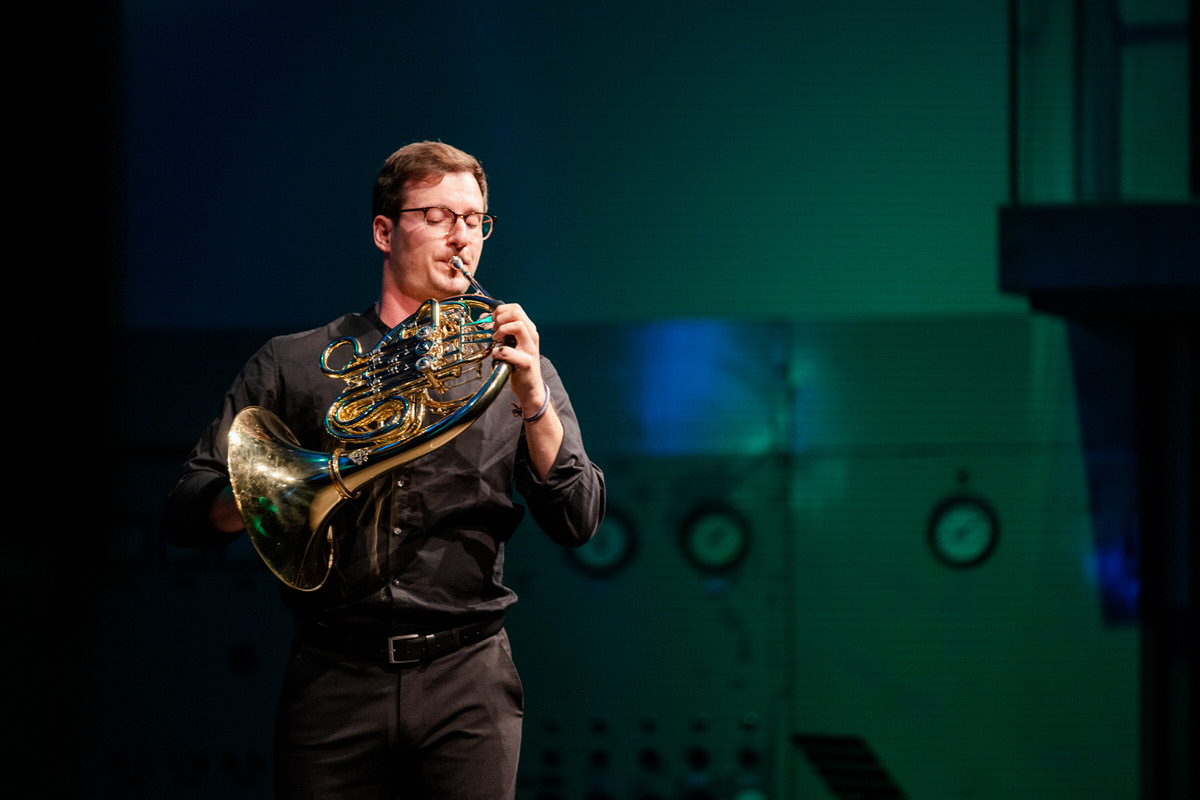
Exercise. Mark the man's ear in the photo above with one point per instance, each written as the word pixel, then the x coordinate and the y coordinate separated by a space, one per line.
pixel 383 233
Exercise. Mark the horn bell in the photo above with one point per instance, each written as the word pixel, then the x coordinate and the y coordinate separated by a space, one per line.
pixel 276 483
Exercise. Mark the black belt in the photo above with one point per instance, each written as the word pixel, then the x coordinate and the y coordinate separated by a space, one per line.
pixel 411 648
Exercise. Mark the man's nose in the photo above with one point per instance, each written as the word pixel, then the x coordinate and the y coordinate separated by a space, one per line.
pixel 459 233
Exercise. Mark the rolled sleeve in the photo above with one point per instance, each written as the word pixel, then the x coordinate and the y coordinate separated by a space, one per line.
pixel 569 504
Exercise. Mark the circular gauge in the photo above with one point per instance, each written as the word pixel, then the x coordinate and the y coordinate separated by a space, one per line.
pixel 610 548
pixel 715 538
pixel 963 530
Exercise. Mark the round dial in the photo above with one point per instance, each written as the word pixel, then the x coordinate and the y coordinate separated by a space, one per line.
pixel 963 530
pixel 610 548
pixel 715 539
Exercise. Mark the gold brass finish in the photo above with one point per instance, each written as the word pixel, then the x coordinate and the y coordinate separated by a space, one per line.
pixel 400 404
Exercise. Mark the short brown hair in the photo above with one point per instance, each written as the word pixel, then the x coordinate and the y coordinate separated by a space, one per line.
pixel 420 161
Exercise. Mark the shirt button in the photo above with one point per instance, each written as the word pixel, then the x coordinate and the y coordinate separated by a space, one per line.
pixel 395 531
pixel 395 581
pixel 400 483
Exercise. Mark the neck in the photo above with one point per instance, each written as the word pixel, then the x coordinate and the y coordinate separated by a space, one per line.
pixel 394 309
pixel 394 305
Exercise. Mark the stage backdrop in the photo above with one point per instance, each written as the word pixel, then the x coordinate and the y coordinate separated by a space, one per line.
pixel 647 160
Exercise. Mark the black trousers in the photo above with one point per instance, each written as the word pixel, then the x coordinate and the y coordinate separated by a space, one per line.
pixel 446 730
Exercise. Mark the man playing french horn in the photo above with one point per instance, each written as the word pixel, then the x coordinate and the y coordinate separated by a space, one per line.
pixel 372 464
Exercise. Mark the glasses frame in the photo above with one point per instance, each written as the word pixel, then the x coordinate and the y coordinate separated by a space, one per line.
pixel 489 220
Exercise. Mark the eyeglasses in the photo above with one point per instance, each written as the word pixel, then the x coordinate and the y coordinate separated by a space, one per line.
pixel 443 220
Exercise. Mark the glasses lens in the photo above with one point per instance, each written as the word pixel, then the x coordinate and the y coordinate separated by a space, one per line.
pixel 443 219
pixel 439 218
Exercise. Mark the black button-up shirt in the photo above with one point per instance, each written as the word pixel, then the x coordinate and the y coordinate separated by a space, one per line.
pixel 422 547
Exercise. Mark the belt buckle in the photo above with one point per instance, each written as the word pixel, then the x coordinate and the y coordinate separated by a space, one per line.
pixel 391 649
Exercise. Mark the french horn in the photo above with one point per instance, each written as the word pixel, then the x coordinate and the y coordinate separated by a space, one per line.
pixel 387 416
